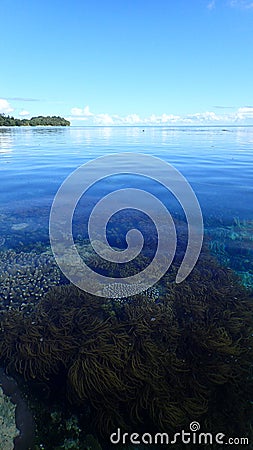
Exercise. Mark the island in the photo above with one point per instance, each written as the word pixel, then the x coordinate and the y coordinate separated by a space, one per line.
pixel 54 121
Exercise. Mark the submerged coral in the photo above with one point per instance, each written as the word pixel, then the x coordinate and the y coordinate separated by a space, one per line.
pixel 123 292
pixel 232 244
pixel 25 277
pixel 144 364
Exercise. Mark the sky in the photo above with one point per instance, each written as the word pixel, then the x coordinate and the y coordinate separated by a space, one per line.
pixel 131 62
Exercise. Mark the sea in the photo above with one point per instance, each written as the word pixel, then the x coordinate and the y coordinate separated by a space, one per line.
pixel 215 161
pixel 185 170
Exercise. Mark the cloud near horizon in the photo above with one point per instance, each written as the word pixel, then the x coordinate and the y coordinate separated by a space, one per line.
pixel 24 113
pixel 5 107
pixel 243 115
pixel 79 112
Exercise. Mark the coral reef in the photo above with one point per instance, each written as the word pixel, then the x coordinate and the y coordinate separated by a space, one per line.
pixel 25 277
pixel 145 364
pixel 62 430
pixel 122 292
pixel 232 244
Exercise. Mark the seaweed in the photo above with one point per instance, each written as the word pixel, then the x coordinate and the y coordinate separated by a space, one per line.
pixel 145 364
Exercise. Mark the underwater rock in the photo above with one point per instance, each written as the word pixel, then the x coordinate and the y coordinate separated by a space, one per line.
pixel 8 429
pixel 17 425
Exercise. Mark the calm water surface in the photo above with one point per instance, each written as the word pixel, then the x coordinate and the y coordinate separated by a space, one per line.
pixel 217 162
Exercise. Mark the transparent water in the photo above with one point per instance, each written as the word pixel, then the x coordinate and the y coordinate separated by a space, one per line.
pixel 35 161
pixel 217 162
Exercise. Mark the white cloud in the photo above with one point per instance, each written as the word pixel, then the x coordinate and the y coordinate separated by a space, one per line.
pixel 5 107
pixel 207 116
pixel 163 119
pixel 132 119
pixel 243 115
pixel 85 112
pixel 24 113
pixel 103 119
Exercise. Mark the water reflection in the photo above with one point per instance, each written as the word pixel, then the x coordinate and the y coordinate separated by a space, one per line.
pixel 42 130
pixel 5 140
pixel 80 135
pixel 244 136
pixel 86 135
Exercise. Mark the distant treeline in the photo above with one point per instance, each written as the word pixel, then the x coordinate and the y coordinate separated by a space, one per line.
pixel 54 121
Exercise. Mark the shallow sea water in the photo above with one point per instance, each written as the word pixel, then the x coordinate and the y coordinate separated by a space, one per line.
pixel 216 161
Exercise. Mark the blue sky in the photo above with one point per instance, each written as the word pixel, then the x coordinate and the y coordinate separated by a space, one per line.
pixel 131 62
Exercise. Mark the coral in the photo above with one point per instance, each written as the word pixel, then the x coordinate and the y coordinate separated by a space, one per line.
pixel 232 244
pixel 25 277
pixel 144 364
pixel 57 428
pixel 123 292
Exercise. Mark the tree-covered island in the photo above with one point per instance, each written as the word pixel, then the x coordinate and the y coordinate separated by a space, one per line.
pixel 54 121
